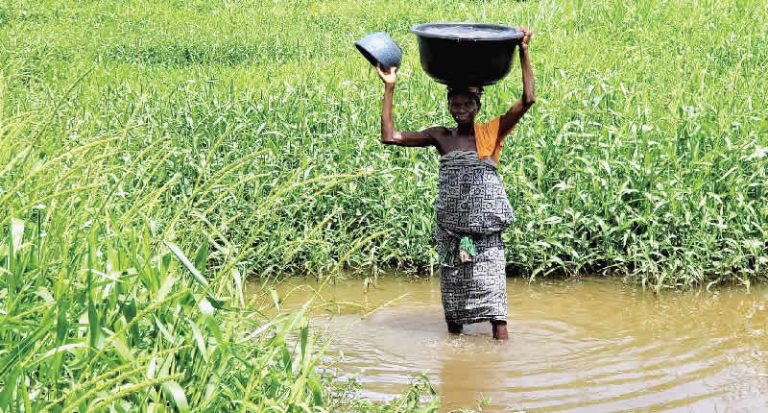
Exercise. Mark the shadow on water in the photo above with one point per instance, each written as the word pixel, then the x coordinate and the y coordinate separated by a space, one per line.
pixel 580 346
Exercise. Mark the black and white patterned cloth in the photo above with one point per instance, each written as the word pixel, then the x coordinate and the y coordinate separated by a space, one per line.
pixel 471 202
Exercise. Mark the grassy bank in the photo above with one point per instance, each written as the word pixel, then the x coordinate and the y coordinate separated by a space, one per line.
pixel 153 156
pixel 644 156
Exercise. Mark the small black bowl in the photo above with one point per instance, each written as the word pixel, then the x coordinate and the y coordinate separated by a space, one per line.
pixel 380 48
pixel 470 54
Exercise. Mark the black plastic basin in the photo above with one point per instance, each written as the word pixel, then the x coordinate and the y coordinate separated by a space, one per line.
pixel 379 48
pixel 470 54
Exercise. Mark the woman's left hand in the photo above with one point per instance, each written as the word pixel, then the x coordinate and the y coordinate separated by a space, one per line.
pixel 527 34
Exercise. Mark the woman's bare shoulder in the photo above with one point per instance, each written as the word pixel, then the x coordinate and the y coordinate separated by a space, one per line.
pixel 437 131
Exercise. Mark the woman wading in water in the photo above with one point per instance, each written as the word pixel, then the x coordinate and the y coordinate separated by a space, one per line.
pixel 472 207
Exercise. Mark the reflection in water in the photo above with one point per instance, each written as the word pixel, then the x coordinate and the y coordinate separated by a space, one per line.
pixel 582 346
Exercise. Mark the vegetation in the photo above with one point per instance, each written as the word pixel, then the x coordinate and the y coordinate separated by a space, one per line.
pixel 645 156
pixel 102 310
pixel 153 157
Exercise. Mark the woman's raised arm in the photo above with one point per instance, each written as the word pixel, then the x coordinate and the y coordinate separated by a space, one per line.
pixel 389 136
pixel 518 109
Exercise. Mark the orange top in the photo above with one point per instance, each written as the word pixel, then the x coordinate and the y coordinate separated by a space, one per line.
pixel 487 139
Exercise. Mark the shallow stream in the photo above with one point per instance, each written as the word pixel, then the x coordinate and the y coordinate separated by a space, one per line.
pixel 591 345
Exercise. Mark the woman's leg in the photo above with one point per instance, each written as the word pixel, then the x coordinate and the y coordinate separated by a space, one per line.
pixel 454 328
pixel 500 330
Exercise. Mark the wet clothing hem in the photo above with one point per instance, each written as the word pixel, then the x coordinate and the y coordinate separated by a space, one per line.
pixel 475 320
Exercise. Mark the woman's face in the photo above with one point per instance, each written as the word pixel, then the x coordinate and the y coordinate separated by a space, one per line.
pixel 463 108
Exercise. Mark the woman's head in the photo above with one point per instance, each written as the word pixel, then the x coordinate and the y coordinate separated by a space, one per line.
pixel 464 103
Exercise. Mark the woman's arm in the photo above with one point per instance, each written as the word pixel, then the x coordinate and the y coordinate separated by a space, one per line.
pixel 518 109
pixel 389 136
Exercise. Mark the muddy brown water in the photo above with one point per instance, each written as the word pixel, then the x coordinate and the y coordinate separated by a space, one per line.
pixel 591 345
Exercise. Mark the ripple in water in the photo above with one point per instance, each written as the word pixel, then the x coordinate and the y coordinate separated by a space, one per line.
pixel 575 346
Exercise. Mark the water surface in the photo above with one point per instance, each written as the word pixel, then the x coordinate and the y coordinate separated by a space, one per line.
pixel 467 32
pixel 579 346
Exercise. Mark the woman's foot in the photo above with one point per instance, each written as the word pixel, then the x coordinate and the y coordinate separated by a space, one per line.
pixel 500 330
pixel 454 328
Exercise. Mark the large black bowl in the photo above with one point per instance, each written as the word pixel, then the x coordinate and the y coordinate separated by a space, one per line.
pixel 471 54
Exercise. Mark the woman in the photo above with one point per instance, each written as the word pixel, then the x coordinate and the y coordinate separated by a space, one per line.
pixel 472 206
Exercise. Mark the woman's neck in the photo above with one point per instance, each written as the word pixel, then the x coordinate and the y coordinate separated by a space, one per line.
pixel 465 129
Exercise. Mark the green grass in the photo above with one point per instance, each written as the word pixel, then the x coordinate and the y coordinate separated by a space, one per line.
pixel 102 310
pixel 644 156
pixel 246 134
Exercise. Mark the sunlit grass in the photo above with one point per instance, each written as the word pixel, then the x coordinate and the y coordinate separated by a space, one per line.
pixel 117 293
pixel 243 136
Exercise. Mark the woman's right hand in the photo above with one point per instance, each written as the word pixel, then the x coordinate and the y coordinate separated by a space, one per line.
pixel 387 76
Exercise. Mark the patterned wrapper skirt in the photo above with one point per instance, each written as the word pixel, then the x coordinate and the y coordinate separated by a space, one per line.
pixel 471 203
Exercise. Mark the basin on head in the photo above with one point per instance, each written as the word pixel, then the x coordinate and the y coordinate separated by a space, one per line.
pixel 476 54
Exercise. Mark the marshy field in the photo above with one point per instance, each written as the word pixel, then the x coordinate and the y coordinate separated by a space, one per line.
pixel 168 171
